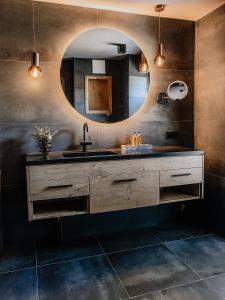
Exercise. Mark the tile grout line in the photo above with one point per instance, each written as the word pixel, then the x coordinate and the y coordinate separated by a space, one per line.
pixel 213 276
pixel 165 289
pixel 181 260
pixel 113 269
pixel 17 270
pixel 36 270
pixel 69 260
pixel 130 249
pixel 184 239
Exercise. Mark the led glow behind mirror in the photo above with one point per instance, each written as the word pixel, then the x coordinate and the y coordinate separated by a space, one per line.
pixel 177 90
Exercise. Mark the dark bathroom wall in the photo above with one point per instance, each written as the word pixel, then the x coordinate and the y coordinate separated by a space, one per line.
pixel 26 103
pixel 210 109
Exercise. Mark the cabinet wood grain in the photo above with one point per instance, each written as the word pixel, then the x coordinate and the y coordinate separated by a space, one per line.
pixel 123 191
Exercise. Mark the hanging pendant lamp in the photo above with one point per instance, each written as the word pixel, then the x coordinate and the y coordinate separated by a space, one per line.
pixel 159 58
pixel 143 67
pixel 35 69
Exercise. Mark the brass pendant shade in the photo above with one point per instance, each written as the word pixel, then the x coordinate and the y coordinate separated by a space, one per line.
pixel 143 67
pixel 35 69
pixel 159 58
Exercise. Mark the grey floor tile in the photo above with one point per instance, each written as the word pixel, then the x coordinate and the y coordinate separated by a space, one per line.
pixel 178 231
pixel 19 285
pixel 128 240
pixel 218 283
pixel 16 258
pixel 56 252
pixel 195 291
pixel 150 269
pixel 206 255
pixel 84 279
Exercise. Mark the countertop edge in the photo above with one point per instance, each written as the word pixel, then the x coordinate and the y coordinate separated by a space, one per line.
pixel 127 156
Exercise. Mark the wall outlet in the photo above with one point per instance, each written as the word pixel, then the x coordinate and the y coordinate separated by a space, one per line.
pixel 171 134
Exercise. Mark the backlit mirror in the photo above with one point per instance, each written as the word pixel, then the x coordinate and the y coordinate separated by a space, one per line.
pixel 101 75
pixel 177 90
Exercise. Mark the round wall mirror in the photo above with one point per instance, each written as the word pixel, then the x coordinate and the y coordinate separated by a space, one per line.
pixel 101 75
pixel 177 90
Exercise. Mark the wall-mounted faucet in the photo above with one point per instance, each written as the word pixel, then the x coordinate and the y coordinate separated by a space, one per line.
pixel 85 143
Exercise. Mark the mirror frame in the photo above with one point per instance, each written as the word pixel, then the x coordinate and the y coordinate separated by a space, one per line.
pixel 177 81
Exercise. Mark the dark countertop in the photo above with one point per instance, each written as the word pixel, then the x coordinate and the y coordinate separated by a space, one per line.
pixel 164 151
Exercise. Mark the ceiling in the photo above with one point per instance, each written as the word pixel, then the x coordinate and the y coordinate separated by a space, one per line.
pixel 98 44
pixel 178 9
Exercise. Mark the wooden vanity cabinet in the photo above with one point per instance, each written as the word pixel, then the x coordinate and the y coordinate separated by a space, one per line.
pixel 64 189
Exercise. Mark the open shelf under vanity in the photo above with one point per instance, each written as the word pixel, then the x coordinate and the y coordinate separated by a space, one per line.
pixel 180 193
pixel 53 208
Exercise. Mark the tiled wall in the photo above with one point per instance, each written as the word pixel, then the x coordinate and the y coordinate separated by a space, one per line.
pixel 25 103
pixel 210 108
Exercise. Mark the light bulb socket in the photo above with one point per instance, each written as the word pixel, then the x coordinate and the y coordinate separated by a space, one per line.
pixel 35 59
pixel 159 8
pixel 160 48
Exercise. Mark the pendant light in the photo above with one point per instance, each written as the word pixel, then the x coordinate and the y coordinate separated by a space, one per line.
pixel 35 69
pixel 143 67
pixel 159 58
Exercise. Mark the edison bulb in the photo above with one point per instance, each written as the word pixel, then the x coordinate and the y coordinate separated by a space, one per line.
pixel 35 71
pixel 159 59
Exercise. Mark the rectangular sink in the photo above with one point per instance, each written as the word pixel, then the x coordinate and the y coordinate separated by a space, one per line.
pixel 89 154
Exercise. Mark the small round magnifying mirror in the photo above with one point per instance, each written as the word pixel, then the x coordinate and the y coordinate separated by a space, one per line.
pixel 177 90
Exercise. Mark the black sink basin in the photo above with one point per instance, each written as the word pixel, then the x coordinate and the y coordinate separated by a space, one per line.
pixel 89 154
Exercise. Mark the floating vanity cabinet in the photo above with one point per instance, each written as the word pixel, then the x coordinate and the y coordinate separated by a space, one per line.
pixel 67 187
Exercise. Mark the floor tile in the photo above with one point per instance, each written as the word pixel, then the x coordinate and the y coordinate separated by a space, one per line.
pixel 178 231
pixel 149 269
pixel 19 285
pixel 128 240
pixel 206 255
pixel 84 279
pixel 56 252
pixel 16 258
pixel 218 283
pixel 196 291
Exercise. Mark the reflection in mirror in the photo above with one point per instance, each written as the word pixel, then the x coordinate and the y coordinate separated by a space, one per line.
pixel 101 78
pixel 177 90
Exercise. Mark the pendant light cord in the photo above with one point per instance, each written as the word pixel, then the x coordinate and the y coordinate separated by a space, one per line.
pixel 97 17
pixel 159 29
pixel 34 37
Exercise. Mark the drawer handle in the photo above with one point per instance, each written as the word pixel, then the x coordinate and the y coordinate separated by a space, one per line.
pixel 59 186
pixel 125 180
pixel 178 175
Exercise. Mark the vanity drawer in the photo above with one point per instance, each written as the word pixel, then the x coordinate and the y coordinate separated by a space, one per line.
pixel 123 191
pixel 180 177
pixel 55 189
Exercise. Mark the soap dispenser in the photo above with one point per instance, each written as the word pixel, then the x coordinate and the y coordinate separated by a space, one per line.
pixel 138 138
pixel 134 139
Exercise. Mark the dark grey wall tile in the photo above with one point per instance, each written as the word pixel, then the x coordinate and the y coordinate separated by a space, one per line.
pixel 16 29
pixel 210 39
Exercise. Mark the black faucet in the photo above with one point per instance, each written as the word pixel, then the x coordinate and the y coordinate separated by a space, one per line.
pixel 85 143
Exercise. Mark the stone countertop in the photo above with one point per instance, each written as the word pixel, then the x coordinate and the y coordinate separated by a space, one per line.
pixel 163 151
